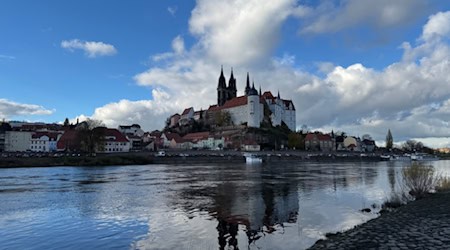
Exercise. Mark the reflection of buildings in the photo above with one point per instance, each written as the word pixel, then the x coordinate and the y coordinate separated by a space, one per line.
pixel 259 203
pixel 260 208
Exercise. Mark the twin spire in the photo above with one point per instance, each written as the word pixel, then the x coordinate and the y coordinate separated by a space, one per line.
pixel 225 93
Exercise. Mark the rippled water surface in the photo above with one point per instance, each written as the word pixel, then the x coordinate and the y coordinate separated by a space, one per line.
pixel 276 206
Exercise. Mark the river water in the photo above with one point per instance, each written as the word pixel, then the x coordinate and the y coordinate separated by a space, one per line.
pixel 276 206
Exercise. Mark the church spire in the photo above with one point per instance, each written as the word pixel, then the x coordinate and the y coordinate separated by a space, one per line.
pixel 278 96
pixel 222 81
pixel 247 87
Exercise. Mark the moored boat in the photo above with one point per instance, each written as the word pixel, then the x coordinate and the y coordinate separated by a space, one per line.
pixel 252 158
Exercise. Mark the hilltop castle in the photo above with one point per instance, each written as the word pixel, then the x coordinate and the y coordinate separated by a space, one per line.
pixel 247 109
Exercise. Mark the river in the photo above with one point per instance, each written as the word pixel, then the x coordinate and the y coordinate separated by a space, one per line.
pixel 213 206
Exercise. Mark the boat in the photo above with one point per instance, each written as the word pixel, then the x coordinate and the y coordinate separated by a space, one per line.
pixel 423 157
pixel 405 157
pixel 385 157
pixel 252 158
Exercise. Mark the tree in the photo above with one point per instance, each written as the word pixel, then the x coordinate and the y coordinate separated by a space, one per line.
pixel 91 135
pixel 389 140
pixel 295 140
pixel 223 118
pixel 412 145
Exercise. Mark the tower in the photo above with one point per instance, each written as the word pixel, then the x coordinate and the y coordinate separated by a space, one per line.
pixel 221 89
pixel 232 90
pixel 254 114
pixel 247 87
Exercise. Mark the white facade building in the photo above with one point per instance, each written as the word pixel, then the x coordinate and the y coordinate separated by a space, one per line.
pixel 17 141
pixel 282 110
pixel 134 129
pixel 44 141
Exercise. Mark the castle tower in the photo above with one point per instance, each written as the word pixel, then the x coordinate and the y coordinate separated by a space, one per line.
pixel 247 87
pixel 232 90
pixel 254 108
pixel 221 89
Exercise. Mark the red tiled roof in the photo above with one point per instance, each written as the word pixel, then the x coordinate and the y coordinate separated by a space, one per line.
pixel 112 132
pixel 186 111
pixel 196 136
pixel 50 135
pixel 268 95
pixel 235 102
pixel 69 138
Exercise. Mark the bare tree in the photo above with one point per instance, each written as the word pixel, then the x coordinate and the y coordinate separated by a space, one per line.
pixel 91 135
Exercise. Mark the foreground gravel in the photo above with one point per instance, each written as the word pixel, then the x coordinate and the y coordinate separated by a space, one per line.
pixel 422 224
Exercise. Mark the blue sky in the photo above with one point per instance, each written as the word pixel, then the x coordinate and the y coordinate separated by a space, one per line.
pixel 358 66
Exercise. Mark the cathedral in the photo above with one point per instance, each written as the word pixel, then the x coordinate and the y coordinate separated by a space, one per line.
pixel 247 109
pixel 250 107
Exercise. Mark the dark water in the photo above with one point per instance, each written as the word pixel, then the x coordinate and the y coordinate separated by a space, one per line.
pixel 278 206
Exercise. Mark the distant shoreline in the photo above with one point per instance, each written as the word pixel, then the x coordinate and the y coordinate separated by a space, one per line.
pixel 179 157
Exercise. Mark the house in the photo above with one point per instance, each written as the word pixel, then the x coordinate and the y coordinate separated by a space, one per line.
pixel 17 141
pixel 4 126
pixel 319 142
pixel 205 140
pixel 174 119
pixel 44 141
pixel 134 130
pixel 168 140
pixel 352 144
pixel 113 141
pixel 250 145
pixel 368 145
pixel 186 116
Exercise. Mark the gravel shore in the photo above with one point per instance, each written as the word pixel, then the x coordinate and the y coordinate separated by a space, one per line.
pixel 422 224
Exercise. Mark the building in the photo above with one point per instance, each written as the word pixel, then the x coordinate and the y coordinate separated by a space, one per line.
pixel 283 111
pixel 134 134
pixel 186 116
pixel 319 142
pixel 174 119
pixel 113 141
pixel 44 141
pixel 17 141
pixel 134 129
pixel 4 126
pixel 243 110
pixel 205 140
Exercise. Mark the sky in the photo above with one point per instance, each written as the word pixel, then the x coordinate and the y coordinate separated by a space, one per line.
pixel 358 66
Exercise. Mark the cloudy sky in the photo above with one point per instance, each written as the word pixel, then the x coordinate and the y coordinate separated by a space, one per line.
pixel 359 66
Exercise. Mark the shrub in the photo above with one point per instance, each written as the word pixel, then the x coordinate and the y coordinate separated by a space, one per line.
pixel 444 184
pixel 420 179
pixel 396 200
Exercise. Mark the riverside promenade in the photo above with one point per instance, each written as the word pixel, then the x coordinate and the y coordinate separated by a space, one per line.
pixel 422 224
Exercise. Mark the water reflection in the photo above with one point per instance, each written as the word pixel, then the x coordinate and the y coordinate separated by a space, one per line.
pixel 285 205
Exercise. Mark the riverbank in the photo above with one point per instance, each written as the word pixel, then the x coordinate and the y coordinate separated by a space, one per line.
pixel 177 157
pixel 422 224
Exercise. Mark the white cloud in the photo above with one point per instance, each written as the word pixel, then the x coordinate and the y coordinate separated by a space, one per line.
pixel 10 109
pixel 238 32
pixel 7 57
pixel 172 10
pixel 178 45
pixel 332 16
pixel 411 96
pixel 437 26
pixel 92 49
